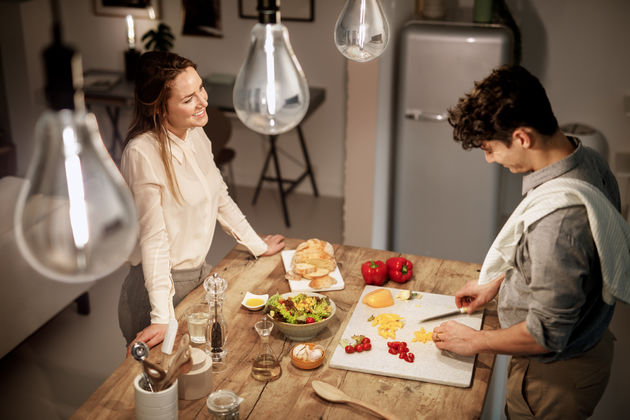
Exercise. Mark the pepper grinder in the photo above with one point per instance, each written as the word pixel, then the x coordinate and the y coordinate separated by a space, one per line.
pixel 215 287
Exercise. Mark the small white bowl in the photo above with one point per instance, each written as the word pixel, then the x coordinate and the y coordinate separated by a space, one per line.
pixel 249 295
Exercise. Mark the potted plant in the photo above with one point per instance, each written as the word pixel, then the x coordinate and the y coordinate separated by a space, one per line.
pixel 159 39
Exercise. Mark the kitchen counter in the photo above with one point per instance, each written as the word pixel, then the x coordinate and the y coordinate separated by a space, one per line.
pixel 292 395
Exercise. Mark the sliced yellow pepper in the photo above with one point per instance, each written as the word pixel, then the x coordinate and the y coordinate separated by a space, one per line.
pixel 422 336
pixel 388 324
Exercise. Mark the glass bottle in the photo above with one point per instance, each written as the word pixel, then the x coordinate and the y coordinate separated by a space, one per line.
pixel 215 287
pixel 266 366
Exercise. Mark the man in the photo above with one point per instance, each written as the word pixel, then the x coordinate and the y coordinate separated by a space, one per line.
pixel 553 303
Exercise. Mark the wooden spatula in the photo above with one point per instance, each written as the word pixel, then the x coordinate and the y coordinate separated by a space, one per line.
pixel 176 365
pixel 333 394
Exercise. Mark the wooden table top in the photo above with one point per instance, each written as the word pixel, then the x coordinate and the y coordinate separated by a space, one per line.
pixel 292 395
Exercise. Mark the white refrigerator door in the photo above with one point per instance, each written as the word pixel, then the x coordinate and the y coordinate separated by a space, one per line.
pixel 446 200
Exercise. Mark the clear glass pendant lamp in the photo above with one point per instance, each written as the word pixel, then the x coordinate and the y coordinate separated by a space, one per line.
pixel 270 94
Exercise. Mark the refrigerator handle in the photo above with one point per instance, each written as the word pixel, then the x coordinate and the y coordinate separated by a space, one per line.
pixel 420 115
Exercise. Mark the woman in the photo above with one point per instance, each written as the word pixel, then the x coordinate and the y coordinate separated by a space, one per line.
pixel 179 195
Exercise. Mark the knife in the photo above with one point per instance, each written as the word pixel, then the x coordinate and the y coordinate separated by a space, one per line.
pixel 461 310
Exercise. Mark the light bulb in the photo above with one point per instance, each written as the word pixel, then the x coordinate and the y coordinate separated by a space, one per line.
pixel 270 93
pixel 362 31
pixel 75 218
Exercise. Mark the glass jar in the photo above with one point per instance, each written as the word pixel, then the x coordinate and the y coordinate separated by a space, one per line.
pixel 224 405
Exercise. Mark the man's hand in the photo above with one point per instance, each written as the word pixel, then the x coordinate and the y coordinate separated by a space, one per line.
pixel 461 339
pixel 474 296
pixel 151 336
pixel 275 244
pixel 457 338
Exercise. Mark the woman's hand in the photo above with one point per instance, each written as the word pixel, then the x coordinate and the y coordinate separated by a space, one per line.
pixel 151 336
pixel 474 296
pixel 275 244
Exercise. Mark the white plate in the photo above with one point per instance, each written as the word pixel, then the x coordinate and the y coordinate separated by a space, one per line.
pixel 302 285
pixel 249 295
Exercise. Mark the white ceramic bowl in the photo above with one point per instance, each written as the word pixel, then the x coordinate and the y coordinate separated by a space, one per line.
pixel 249 295
pixel 303 332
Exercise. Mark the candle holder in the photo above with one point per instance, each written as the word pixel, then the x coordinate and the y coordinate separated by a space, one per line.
pixel 132 58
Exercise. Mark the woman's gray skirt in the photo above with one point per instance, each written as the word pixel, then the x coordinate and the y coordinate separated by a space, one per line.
pixel 134 307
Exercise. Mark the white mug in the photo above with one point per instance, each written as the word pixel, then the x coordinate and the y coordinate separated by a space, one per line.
pixel 160 405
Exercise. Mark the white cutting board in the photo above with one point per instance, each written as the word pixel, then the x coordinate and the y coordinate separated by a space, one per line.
pixel 430 364
pixel 302 285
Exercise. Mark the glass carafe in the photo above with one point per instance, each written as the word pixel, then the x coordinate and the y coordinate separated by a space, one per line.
pixel 266 366
pixel 217 327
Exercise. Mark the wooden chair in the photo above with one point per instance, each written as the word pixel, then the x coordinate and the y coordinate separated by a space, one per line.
pixel 219 130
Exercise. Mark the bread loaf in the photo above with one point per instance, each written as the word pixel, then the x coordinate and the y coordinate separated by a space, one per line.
pixel 321 282
pixel 313 260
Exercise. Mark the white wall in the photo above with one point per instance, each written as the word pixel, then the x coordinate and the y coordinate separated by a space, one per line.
pixel 368 154
pixel 102 41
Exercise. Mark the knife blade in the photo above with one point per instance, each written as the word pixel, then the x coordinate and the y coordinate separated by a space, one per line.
pixel 461 310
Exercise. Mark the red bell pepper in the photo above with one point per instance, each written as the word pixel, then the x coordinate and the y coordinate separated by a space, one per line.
pixel 374 272
pixel 399 269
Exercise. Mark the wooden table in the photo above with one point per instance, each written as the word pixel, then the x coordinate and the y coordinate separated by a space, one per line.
pixel 291 396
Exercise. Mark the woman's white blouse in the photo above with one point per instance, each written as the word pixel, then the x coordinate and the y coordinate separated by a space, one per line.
pixel 173 235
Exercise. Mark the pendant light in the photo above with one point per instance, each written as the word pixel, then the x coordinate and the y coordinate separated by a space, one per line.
pixel 75 220
pixel 270 92
pixel 362 31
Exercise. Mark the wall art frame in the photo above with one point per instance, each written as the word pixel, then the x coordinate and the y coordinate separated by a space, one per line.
pixel 139 9
pixel 295 10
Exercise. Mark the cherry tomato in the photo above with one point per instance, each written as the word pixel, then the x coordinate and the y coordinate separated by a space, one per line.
pixel 359 348
pixel 365 340
pixel 367 346
pixel 310 320
pixel 349 349
pixel 410 357
pixel 402 355
pixel 392 350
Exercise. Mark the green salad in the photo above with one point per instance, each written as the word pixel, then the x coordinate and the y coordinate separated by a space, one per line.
pixel 299 309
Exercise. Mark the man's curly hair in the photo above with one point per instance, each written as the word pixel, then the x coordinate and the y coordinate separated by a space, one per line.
pixel 509 98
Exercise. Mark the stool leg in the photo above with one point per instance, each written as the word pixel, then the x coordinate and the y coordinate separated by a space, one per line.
pixel 262 177
pixel 117 140
pixel 309 169
pixel 279 179
pixel 83 304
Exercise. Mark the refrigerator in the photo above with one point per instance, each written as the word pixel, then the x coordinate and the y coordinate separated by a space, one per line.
pixel 447 202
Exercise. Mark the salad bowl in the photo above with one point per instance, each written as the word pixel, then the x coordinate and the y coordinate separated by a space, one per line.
pixel 301 332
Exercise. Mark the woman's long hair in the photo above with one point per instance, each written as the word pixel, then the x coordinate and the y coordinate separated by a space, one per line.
pixel 154 77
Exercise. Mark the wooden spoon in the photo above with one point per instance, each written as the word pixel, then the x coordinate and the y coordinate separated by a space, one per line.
pixel 175 371
pixel 153 373
pixel 333 394
pixel 182 355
